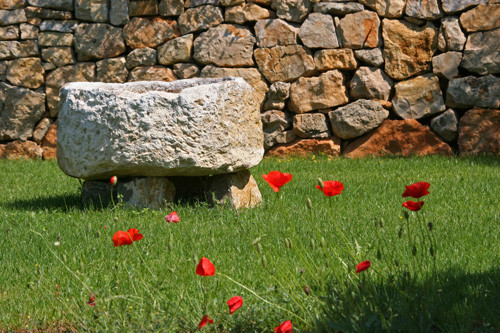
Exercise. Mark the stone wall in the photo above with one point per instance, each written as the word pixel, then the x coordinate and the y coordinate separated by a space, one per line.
pixel 353 77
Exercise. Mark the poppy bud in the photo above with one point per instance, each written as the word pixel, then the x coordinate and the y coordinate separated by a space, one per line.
pixel 430 226
pixel 307 290
pixel 256 241
pixel 313 244
pixel 212 240
pixel 379 254
pixel 406 215
pixel 195 258
pixel 323 242
pixel 414 250
pixel 381 222
pixel 259 248
pixel 113 180
pixel 263 261
pixel 431 251
pixel 400 232
pixel 288 243
pixel 309 204
pixel 320 183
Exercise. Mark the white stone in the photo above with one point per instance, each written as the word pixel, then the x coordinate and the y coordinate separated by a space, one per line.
pixel 189 127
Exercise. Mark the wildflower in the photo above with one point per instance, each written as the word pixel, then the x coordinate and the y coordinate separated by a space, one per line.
pixel 206 319
pixel 113 180
pixel 331 187
pixel 126 238
pixel 284 327
pixel 412 205
pixel 91 301
pixel 172 217
pixel 205 267
pixel 234 303
pixel 363 266
pixel 276 179
pixel 416 190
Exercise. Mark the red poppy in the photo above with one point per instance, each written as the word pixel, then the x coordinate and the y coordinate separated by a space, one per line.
pixel 126 238
pixel 172 217
pixel 412 205
pixel 134 233
pixel 206 319
pixel 331 187
pixel 91 301
pixel 234 303
pixel 113 180
pixel 285 327
pixel 416 190
pixel 276 179
pixel 363 266
pixel 205 267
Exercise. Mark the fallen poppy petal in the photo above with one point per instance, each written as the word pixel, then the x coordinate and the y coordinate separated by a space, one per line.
pixel 363 266
pixel 412 205
pixel 91 301
pixel 276 179
pixel 285 327
pixel 234 303
pixel 172 217
pixel 205 267
pixel 206 319
pixel 122 238
pixel 416 190
pixel 331 187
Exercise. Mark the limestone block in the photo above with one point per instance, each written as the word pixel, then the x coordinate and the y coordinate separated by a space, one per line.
pixel 118 12
pixel 386 8
pixel 446 64
pixel 482 52
pixel 314 93
pixel 248 12
pixel 10 32
pixel 191 127
pixel 149 32
pixel 58 25
pixel 41 129
pixel 59 56
pixel 479 132
pixel 20 111
pixel 454 38
pixel 197 3
pixel 453 6
pixel 357 118
pixel 145 56
pixel 418 97
pixel 176 50
pixel 29 31
pixel 91 10
pixel 360 30
pixel 151 73
pixel 98 41
pixel 292 10
pixel 318 31
pixel 11 49
pixel 306 147
pixel 54 4
pixel 482 17
pixel 12 4
pixel 15 16
pixel 200 18
pixel 48 39
pixel 225 45
pixel 371 57
pixel 276 96
pixel 186 70
pixel 26 72
pixel 143 8
pixel 112 70
pixel 445 125
pixel 471 91
pixel 47 14
pixel 275 120
pixel 310 125
pixel 171 7
pixel 16 150
pixel 370 83
pixel 278 137
pixel 423 9
pixel 338 8
pixel 335 59
pixel 275 32
pixel 238 189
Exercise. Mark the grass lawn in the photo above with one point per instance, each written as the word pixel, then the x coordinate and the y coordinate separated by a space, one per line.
pixel 55 252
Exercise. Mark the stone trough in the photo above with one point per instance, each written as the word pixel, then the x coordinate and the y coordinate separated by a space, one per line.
pixel 162 140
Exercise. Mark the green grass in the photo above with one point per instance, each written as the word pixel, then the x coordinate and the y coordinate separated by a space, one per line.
pixel 152 286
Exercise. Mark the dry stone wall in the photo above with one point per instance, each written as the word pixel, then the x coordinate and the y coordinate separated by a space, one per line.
pixel 366 77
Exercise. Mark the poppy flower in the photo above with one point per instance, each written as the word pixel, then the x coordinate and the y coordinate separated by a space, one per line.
pixel 126 238
pixel 416 190
pixel 134 233
pixel 276 179
pixel 113 180
pixel 285 327
pixel 91 301
pixel 234 303
pixel 206 319
pixel 172 217
pixel 331 187
pixel 363 266
pixel 412 205
pixel 205 267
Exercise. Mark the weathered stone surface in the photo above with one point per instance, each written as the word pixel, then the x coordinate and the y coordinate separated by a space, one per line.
pixel 151 73
pixel 399 138
pixel 338 8
pixel 29 31
pixel 12 4
pixel 359 30
pixel 453 6
pixel 276 96
pixel 59 56
pixel 284 63
pixel 47 66
pixel 112 70
pixel 371 57
pixel 54 4
pixel 98 41
pixel 10 32
pixel 81 72
pixel 356 119
pixel 228 3
pixel 20 110
pixel 200 18
pixel 251 75
pixel 149 32
pixel 445 125
pixel 418 97
pixel 176 50
pixel 482 17
pixel 143 8
pixel 314 93
pixel 140 192
pixel 47 14
pixel 145 56
pixel 55 39
pixel 275 120
pixel 248 12
pixel 225 45
pixel 49 143
pixel 310 125
pixel 278 137
pixel 41 129
pixel 11 49
pixel 171 7
pixel 2 150
pixel 408 48
pixel 26 72
pixel 292 10
pixel 454 38
pixel 423 9
pixel 479 133
pixel 386 8
pixel 482 52
pixel 186 70
pixel 197 3
pixel 16 150
pixel 58 25
pixel 118 12
pixel 91 10
pixel 15 16
pixel 238 189
pixel 335 59
pixel 192 128
pixel 446 64
pixel 318 31
pixel 305 147
pixel 370 83
pixel 474 91
pixel 275 32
